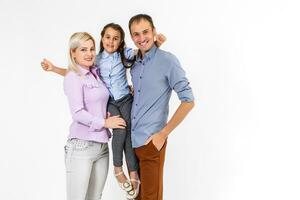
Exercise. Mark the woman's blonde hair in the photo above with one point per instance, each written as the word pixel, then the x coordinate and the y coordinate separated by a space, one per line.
pixel 75 41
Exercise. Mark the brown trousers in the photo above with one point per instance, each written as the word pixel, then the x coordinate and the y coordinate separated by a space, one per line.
pixel 151 163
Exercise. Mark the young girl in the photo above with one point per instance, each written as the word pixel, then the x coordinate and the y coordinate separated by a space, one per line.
pixel 112 59
pixel 86 151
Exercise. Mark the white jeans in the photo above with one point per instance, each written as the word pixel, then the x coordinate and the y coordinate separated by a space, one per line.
pixel 86 169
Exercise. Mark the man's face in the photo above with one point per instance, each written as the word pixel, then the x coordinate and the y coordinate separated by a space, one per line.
pixel 142 35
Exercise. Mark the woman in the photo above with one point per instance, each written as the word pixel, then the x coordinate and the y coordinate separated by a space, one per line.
pixel 86 151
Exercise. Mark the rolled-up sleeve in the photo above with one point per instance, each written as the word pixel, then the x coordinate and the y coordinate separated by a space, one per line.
pixel 179 83
pixel 73 89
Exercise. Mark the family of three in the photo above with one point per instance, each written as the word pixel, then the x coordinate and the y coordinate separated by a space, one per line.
pixel 100 99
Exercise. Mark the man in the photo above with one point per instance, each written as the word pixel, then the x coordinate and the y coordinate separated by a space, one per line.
pixel 155 74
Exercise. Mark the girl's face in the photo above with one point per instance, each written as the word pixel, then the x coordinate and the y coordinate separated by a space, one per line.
pixel 85 54
pixel 111 40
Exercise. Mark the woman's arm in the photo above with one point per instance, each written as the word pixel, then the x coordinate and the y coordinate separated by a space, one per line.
pixel 48 66
pixel 74 91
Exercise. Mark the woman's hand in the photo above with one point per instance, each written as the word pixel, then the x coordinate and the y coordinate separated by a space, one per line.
pixel 115 122
pixel 47 65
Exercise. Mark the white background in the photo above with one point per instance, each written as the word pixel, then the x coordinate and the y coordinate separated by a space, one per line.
pixel 240 142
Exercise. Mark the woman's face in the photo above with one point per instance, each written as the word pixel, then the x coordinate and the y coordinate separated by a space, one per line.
pixel 85 54
pixel 111 40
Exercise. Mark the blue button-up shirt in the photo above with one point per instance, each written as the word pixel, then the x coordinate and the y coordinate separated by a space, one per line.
pixel 154 77
pixel 113 73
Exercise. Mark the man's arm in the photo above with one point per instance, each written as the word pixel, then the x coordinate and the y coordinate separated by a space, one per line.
pixel 160 137
pixel 179 83
pixel 48 66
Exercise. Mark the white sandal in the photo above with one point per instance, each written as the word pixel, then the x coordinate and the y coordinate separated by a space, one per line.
pixel 126 185
pixel 132 194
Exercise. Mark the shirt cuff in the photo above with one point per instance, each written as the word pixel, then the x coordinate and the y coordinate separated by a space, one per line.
pixel 186 95
pixel 97 124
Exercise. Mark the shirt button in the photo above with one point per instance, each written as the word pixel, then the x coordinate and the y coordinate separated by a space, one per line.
pixel 133 117
pixel 140 77
pixel 136 104
pixel 139 90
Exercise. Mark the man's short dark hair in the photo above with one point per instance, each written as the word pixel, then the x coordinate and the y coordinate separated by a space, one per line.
pixel 138 18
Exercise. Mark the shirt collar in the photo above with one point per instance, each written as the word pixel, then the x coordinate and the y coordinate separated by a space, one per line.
pixel 148 55
pixel 85 71
pixel 105 54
